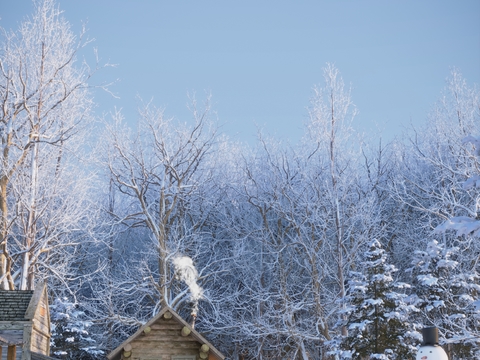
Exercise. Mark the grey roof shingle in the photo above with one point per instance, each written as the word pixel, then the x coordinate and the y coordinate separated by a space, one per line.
pixel 14 304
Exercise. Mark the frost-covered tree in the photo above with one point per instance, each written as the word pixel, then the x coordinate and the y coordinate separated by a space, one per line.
pixel 70 332
pixel 45 108
pixel 162 174
pixel 432 167
pixel 377 314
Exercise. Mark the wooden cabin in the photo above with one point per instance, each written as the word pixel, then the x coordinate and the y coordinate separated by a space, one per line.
pixel 24 324
pixel 166 337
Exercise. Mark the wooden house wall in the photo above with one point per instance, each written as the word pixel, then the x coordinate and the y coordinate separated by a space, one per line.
pixel 40 341
pixel 165 341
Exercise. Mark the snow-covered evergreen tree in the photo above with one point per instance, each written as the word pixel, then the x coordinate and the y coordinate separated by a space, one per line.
pixel 70 336
pixel 447 296
pixel 377 312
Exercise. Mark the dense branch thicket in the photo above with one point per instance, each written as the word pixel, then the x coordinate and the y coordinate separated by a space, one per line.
pixel 332 248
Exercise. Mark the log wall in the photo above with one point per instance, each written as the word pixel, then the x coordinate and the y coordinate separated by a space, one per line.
pixel 163 342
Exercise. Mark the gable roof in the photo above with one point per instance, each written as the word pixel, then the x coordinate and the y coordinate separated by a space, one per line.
pixel 195 334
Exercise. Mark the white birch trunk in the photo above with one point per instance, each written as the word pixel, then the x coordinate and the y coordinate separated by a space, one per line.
pixel 26 281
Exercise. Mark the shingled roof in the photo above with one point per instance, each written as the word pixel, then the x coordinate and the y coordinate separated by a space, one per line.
pixel 14 304
pixel 25 322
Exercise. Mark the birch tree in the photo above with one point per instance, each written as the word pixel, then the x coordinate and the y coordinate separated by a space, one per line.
pixel 44 106
pixel 331 114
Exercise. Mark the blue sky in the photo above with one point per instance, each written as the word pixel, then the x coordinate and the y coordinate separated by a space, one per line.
pixel 261 59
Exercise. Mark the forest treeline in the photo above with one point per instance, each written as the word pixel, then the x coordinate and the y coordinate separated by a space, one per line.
pixel 337 247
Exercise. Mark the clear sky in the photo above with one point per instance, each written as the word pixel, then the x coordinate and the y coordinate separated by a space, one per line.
pixel 260 59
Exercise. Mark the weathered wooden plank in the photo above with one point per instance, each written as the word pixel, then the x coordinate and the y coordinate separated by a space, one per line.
pixel 166 338
pixel 10 341
pixel 157 344
pixel 166 323
pixel 11 337
pixel 42 321
pixel 40 343
pixel 166 346
pixel 160 335
pixel 167 349
pixel 13 325
pixel 166 331
pixel 42 331
pixel 165 326
pixel 164 353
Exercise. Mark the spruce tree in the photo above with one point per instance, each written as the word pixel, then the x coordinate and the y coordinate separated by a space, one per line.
pixel 377 312
pixel 70 335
